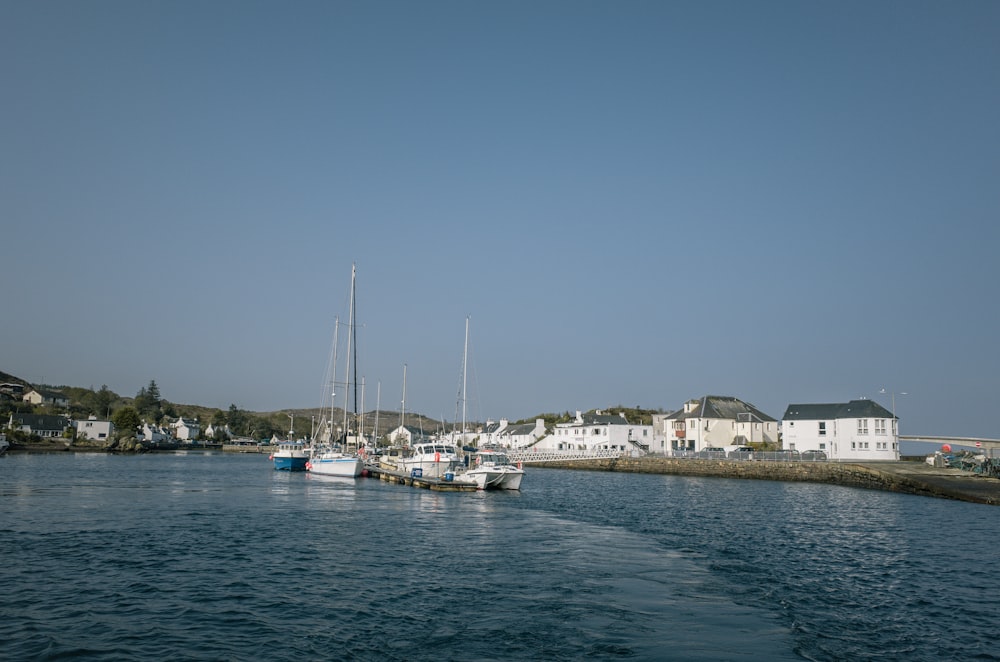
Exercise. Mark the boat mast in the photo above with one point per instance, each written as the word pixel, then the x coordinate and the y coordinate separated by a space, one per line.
pixel 347 377
pixel 361 418
pixel 402 410
pixel 333 382
pixel 378 402
pixel 465 365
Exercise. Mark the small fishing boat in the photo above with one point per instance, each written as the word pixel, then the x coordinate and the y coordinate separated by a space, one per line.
pixel 492 470
pixel 290 456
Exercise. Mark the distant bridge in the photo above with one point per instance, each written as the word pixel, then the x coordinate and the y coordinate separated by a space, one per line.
pixel 977 442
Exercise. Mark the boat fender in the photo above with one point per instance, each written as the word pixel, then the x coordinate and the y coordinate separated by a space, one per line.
pixel 437 457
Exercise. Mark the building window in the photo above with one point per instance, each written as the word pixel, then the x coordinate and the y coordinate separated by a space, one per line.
pixel 822 428
pixel 862 426
pixel 822 446
pixel 879 426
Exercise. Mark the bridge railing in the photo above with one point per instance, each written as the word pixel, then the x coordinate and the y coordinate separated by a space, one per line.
pixel 560 456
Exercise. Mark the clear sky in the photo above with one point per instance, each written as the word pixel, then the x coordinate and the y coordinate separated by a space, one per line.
pixel 637 203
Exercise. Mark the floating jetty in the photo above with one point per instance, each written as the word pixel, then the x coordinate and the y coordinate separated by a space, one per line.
pixel 401 478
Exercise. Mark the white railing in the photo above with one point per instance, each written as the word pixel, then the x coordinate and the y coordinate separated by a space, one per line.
pixel 560 456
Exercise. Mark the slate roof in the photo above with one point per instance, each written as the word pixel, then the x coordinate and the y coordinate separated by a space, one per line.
pixel 591 418
pixel 724 407
pixel 518 430
pixel 41 421
pixel 829 412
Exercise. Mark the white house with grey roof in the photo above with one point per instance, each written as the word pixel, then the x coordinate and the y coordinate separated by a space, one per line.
pixel 855 430
pixel 599 431
pixel 716 421
pixel 518 435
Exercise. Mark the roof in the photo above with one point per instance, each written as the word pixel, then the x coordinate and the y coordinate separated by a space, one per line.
pixel 724 407
pixel 41 421
pixel 518 430
pixel 828 412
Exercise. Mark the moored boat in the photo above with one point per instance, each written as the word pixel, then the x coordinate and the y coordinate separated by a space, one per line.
pixel 290 456
pixel 335 463
pixel 492 470
pixel 432 459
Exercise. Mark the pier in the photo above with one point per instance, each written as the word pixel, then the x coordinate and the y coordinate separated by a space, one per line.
pixel 435 484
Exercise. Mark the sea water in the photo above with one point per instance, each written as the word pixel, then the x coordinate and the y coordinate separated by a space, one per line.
pixel 219 557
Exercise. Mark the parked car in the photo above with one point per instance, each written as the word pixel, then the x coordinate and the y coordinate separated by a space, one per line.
pixel 711 453
pixel 813 456
pixel 741 453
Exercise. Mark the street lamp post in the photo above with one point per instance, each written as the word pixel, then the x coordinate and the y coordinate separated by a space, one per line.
pixel 895 426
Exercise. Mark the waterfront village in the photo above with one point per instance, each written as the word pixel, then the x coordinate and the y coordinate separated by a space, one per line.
pixel 708 427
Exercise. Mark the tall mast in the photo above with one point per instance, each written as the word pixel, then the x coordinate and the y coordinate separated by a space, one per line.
pixel 347 377
pixel 378 403
pixel 333 382
pixel 402 410
pixel 465 364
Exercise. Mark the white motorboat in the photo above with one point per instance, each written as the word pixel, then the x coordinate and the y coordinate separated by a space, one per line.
pixel 432 459
pixel 492 470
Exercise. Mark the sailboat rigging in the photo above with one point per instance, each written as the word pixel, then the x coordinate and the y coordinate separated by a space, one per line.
pixel 332 461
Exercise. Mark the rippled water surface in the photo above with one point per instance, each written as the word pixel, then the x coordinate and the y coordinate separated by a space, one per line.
pixel 213 556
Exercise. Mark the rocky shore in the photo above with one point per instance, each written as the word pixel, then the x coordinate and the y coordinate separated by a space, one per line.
pixel 906 477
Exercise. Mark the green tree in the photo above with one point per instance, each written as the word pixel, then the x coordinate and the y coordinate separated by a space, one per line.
pixel 126 421
pixel 103 400
pixel 147 401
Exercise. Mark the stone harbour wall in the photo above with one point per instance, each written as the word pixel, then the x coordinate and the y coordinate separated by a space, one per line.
pixel 905 477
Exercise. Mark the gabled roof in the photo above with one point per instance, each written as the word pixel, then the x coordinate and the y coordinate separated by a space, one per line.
pixel 591 418
pixel 518 430
pixel 829 412
pixel 724 407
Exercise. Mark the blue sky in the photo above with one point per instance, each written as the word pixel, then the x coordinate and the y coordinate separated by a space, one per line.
pixel 637 203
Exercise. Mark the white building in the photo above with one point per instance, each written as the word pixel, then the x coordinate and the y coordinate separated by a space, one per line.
pixel 599 431
pixel 185 429
pixel 716 421
pixel 855 430
pixel 94 429
pixel 153 433
pixel 503 434
pixel 222 431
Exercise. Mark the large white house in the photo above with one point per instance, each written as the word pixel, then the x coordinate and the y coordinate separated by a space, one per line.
pixel 599 431
pixel 855 430
pixel 716 421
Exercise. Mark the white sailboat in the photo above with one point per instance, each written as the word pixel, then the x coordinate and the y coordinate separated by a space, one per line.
pixel 331 460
